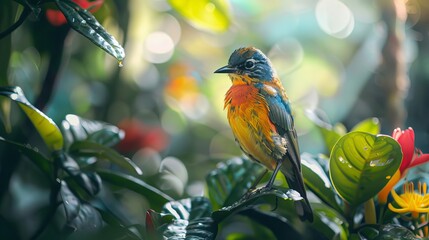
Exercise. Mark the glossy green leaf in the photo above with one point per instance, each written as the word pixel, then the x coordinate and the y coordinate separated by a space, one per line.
pixel 231 180
pixel 209 15
pixel 70 202
pixel 192 219
pixel 361 164
pixel 85 23
pixel 155 197
pixel 92 149
pixel 47 129
pixel 318 182
pixel 75 128
pixel 260 196
pixel 189 208
pixel 87 220
pixel 155 220
pixel 279 227
pixel 384 232
pixel 329 222
pixel 42 162
pixel 370 125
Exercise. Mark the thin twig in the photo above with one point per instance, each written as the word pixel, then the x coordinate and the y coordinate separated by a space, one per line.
pixel 25 13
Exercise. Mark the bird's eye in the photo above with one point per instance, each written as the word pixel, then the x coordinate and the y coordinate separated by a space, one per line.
pixel 249 64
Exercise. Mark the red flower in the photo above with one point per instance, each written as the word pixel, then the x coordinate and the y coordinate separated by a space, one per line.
pixel 56 17
pixel 138 135
pixel 411 157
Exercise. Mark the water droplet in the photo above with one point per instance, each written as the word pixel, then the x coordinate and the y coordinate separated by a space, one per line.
pixel 73 20
pixel 120 64
pixel 83 22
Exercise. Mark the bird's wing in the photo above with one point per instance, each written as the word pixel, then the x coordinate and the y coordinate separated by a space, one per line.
pixel 280 114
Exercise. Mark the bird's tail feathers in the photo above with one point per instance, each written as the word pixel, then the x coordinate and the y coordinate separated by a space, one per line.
pixel 296 182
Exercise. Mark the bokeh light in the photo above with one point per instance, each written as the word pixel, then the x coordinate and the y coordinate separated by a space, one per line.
pixel 335 18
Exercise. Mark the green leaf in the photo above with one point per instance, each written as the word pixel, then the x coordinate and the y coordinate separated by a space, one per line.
pixel 329 222
pixel 370 125
pixel 85 23
pixel 47 129
pixel 75 128
pixel 231 180
pixel 384 232
pixel 204 14
pixel 42 162
pixel 189 208
pixel 90 181
pixel 361 164
pixel 192 219
pixel 260 196
pixel 155 197
pixel 330 133
pixel 70 202
pixel 87 220
pixel 92 149
pixel 318 182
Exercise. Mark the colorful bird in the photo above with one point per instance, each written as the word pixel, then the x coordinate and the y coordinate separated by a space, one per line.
pixel 260 117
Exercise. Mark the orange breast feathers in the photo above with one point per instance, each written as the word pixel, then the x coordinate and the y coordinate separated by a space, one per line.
pixel 250 123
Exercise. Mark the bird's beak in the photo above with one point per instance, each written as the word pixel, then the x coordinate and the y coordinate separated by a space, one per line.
pixel 226 69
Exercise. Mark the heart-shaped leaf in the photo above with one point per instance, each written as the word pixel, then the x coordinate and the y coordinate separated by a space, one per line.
pixel 44 125
pixel 85 23
pixel 361 164
pixel 210 15
pixel 231 180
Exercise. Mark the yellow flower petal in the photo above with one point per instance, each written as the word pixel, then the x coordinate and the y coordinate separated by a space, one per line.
pixel 397 210
pixel 398 199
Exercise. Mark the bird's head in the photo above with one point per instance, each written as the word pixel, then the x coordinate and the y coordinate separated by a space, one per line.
pixel 249 62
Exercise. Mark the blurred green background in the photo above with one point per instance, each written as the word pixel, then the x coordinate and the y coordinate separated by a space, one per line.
pixel 342 61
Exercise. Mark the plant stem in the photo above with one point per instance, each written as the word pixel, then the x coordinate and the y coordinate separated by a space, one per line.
pixel 349 214
pixel 381 215
pixel 25 13
pixel 56 51
pixel 369 207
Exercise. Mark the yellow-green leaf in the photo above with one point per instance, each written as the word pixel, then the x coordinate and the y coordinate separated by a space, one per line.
pixel 44 125
pixel 204 14
pixel 370 125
